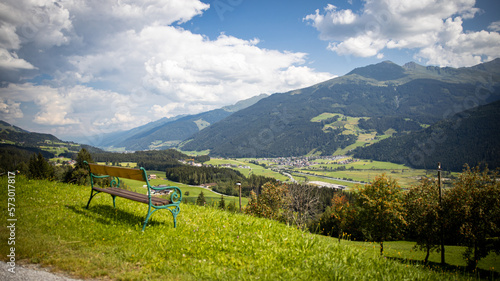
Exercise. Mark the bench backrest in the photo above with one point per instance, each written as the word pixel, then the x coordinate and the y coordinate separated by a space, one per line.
pixel 133 174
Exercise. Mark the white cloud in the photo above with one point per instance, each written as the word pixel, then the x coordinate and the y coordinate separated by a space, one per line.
pixel 188 69
pixel 432 28
pixel 494 26
pixel 10 61
pixel 10 110
pixel 120 64
pixel 74 110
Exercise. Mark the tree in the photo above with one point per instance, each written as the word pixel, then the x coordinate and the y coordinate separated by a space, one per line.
pixel 222 203
pixel 39 168
pixel 80 172
pixel 270 203
pixel 473 210
pixel 303 204
pixel 422 207
pixel 381 210
pixel 339 218
pixel 83 155
pixel 201 201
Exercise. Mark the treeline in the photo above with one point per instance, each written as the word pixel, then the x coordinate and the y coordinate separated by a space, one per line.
pixel 151 160
pixel 14 157
pixel 224 178
pixel 33 162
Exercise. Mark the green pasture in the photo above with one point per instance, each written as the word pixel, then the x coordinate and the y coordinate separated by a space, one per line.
pixel 488 268
pixel 367 170
pixel 194 191
pixel 301 178
pixel 254 169
pixel 54 230
pixel 406 178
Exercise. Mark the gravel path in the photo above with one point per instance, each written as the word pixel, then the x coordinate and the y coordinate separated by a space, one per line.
pixel 30 273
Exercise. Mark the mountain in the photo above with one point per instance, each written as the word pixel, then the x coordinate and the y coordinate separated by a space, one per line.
pixel 293 123
pixel 13 138
pixel 15 135
pixel 471 136
pixel 169 132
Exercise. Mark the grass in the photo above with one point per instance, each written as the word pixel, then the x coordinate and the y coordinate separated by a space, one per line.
pixel 54 229
pixel 488 268
pixel 194 191
pixel 254 169
pixel 366 171
pixel 350 127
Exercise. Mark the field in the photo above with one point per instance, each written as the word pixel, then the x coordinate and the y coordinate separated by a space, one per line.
pixel 254 169
pixel 54 229
pixel 194 191
pixel 355 171
pixel 350 126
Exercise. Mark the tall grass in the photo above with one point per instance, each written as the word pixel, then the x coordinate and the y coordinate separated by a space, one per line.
pixel 54 229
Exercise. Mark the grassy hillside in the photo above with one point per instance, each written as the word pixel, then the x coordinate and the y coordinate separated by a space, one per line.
pixel 55 230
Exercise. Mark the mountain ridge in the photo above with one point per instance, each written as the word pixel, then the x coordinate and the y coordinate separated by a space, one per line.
pixel 168 132
pixel 279 125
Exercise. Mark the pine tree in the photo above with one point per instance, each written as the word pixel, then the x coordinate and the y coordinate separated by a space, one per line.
pixel 200 201
pixel 39 168
pixel 222 203
pixel 83 155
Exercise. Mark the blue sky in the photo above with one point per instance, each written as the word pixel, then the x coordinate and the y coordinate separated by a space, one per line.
pixel 77 69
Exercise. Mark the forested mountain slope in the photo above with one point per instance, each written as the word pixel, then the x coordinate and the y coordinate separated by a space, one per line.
pixel 471 137
pixel 281 125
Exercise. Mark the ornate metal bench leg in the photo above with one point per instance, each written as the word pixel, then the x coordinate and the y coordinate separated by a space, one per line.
pixel 90 199
pixel 114 197
pixel 175 212
pixel 147 218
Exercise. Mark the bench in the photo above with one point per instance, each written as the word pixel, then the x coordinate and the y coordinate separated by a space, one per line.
pixel 115 173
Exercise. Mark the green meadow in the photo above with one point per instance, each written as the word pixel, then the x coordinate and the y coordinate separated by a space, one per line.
pixel 54 229
pixel 192 191
pixel 253 169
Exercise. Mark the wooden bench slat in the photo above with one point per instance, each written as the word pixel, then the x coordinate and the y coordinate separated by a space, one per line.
pixel 133 174
pixel 143 198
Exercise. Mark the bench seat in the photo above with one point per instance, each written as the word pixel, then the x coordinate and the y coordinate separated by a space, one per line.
pixel 143 198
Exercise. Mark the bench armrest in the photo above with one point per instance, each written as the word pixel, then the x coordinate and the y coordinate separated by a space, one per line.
pixel 175 195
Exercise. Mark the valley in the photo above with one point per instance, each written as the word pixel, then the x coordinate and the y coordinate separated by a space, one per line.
pixel 340 170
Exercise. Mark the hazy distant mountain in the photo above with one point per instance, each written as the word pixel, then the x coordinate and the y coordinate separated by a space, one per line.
pixel 471 136
pixel 286 124
pixel 169 132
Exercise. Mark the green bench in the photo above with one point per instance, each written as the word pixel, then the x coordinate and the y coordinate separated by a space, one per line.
pixel 115 173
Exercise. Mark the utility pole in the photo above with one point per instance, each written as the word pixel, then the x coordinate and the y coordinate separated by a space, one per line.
pixel 441 214
pixel 239 185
